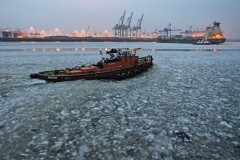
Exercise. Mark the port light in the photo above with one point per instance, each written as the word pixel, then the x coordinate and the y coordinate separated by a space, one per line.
pixel 217 36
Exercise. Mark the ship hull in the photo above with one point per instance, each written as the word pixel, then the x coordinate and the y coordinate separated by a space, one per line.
pixel 173 40
pixel 216 41
pixel 118 74
pixel 125 65
pixel 190 40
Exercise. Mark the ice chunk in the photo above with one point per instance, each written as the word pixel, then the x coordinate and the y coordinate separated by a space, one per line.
pixel 225 124
pixel 45 142
pixel 64 112
pixel 57 146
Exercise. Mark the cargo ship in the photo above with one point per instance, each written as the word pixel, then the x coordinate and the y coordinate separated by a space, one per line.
pixel 212 34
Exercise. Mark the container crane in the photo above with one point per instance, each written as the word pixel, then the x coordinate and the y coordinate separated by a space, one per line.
pixel 168 30
pixel 87 31
pixel 187 32
pixel 138 28
pixel 118 29
pixel 127 27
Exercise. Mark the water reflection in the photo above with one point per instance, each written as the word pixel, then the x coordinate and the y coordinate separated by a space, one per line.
pixel 106 49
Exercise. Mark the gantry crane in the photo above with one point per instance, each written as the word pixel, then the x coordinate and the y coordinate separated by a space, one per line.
pixel 167 32
pixel 118 31
pixel 137 30
pixel 87 31
pixel 188 32
pixel 127 28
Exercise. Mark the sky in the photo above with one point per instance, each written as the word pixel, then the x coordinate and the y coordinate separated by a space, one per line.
pixel 101 15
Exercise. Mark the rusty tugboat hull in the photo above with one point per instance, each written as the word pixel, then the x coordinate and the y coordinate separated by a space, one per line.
pixel 126 64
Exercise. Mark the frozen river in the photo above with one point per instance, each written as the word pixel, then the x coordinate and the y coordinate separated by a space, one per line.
pixel 187 106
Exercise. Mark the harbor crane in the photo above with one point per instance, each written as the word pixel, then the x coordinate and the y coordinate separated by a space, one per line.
pixel 87 31
pixel 168 30
pixel 188 32
pixel 124 30
pixel 137 30
pixel 193 32
pixel 118 31
pixel 127 27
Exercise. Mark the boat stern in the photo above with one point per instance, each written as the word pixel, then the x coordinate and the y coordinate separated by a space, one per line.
pixel 34 76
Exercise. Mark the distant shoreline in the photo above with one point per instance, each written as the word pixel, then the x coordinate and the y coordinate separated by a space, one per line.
pixel 87 39
pixel 78 39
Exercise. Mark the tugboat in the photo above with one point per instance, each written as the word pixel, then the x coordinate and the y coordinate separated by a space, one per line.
pixel 202 42
pixel 122 64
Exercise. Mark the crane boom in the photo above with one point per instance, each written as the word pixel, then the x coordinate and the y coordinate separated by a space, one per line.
pixel 168 30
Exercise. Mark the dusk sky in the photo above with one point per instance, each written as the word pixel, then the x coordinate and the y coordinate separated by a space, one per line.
pixel 101 15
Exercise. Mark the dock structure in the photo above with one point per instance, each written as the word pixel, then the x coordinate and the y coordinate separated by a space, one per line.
pixel 124 30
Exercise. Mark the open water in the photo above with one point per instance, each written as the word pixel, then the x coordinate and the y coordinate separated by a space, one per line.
pixel 187 106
